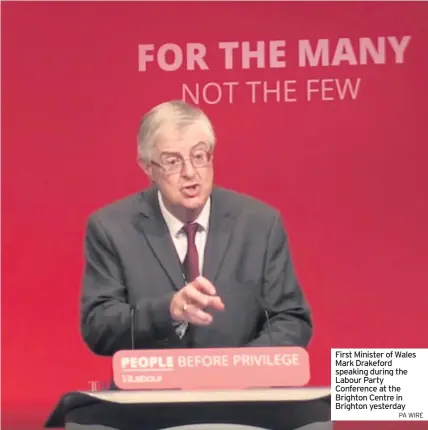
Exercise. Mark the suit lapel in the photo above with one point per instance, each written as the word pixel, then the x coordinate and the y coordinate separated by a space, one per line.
pixel 219 235
pixel 156 232
pixel 158 237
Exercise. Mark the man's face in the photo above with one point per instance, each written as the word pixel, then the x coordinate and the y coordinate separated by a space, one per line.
pixel 182 169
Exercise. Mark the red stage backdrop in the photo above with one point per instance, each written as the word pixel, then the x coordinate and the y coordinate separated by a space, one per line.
pixel 320 110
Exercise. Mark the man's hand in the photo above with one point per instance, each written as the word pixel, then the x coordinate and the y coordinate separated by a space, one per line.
pixel 190 302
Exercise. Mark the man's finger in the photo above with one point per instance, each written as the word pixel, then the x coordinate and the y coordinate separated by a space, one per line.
pixel 204 285
pixel 179 307
pixel 216 303
pixel 197 316
pixel 192 295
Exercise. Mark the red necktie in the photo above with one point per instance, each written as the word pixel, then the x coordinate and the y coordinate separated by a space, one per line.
pixel 191 261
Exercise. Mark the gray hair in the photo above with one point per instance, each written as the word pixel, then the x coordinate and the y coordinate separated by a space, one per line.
pixel 175 114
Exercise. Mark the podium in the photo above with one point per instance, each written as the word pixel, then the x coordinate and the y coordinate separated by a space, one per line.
pixel 166 389
pixel 273 408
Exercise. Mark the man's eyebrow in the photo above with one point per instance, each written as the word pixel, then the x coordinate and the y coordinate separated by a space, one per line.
pixel 201 143
pixel 169 153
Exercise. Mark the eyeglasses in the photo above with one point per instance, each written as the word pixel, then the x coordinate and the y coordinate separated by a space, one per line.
pixel 174 163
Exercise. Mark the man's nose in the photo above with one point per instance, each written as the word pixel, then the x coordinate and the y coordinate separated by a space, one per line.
pixel 188 168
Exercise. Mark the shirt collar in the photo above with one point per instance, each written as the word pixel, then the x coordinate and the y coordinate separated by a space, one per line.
pixel 175 225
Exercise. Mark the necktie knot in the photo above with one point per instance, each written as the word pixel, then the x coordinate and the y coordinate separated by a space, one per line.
pixel 190 229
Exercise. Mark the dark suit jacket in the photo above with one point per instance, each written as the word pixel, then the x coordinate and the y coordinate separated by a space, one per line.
pixel 131 261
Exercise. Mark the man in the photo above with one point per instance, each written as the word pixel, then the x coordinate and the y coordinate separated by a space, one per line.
pixel 193 265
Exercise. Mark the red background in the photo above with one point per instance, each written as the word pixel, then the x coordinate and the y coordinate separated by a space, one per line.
pixel 349 176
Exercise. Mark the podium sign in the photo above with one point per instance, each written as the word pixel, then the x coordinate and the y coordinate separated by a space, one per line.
pixel 211 368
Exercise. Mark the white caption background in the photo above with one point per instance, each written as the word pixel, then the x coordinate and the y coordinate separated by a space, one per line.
pixel 379 384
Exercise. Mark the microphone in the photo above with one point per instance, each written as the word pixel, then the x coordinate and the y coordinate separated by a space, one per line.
pixel 132 327
pixel 269 327
pixel 262 304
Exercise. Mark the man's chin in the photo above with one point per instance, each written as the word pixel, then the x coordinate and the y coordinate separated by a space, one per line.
pixel 193 204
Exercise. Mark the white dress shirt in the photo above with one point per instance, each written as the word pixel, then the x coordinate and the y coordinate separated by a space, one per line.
pixel 179 238
pixel 175 227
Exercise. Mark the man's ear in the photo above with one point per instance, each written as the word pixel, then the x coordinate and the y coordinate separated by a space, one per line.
pixel 147 168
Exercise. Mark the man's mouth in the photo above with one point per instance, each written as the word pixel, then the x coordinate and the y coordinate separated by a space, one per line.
pixel 191 187
pixel 191 190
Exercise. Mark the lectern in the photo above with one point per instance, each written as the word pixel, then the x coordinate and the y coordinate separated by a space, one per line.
pixel 171 388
